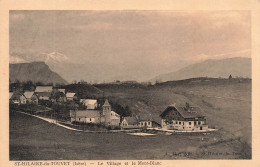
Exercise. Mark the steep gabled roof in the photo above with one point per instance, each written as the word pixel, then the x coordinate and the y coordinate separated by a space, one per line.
pixel 28 95
pixel 10 95
pixel 106 103
pixel 43 89
pixel 114 115
pixel 62 90
pixel 191 112
pixel 88 101
pixel 16 96
pixel 131 120
pixel 70 95
pixel 88 113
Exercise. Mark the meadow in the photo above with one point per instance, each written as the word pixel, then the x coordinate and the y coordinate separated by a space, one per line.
pixel 34 139
pixel 227 105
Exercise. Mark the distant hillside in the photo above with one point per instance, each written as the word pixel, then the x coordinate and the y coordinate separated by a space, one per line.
pixel 35 72
pixel 84 90
pixel 120 85
pixel 237 67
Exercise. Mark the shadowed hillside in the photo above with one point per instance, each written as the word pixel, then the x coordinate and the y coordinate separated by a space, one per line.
pixel 84 90
pixel 35 72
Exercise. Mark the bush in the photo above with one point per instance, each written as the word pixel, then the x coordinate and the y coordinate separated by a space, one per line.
pixel 109 128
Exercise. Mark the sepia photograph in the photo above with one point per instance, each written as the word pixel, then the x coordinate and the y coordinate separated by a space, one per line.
pixel 130 85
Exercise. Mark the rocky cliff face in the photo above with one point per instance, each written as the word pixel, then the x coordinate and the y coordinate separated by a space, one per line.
pixel 35 72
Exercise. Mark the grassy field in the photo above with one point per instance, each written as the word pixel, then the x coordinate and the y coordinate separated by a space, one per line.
pixel 35 139
pixel 226 103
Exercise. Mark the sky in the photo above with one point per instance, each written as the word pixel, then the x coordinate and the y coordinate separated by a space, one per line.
pixel 148 42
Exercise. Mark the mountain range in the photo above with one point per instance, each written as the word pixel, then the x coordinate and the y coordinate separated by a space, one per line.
pixel 35 72
pixel 236 67
pixel 98 73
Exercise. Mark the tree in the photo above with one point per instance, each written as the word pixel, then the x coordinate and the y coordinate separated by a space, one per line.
pixel 157 81
pixel 29 86
pixel 230 76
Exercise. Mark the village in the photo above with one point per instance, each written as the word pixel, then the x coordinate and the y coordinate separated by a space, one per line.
pixel 70 109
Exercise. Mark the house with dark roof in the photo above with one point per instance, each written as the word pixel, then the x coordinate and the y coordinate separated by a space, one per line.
pixel 58 96
pixel 130 122
pixel 184 118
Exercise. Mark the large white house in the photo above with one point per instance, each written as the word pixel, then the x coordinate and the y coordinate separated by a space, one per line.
pixel 184 118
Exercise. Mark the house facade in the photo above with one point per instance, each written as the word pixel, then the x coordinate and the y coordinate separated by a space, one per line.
pixel 130 122
pixel 43 92
pixel 31 98
pixel 86 116
pixel 146 123
pixel 136 122
pixel 17 98
pixel 114 119
pixel 44 96
pixel 58 97
pixel 183 118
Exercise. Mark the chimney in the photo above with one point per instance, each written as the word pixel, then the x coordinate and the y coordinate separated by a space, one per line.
pixel 187 106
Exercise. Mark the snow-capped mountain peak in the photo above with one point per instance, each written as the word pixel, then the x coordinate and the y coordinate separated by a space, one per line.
pixel 55 57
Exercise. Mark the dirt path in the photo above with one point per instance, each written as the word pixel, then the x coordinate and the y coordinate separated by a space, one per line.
pixel 51 121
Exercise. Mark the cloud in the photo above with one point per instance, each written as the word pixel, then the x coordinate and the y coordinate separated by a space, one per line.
pixel 126 39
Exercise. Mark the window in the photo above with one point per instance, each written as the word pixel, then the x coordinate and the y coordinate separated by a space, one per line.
pixel 179 123
pixel 90 119
pixel 199 122
pixel 195 123
pixel 189 123
pixel 182 123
